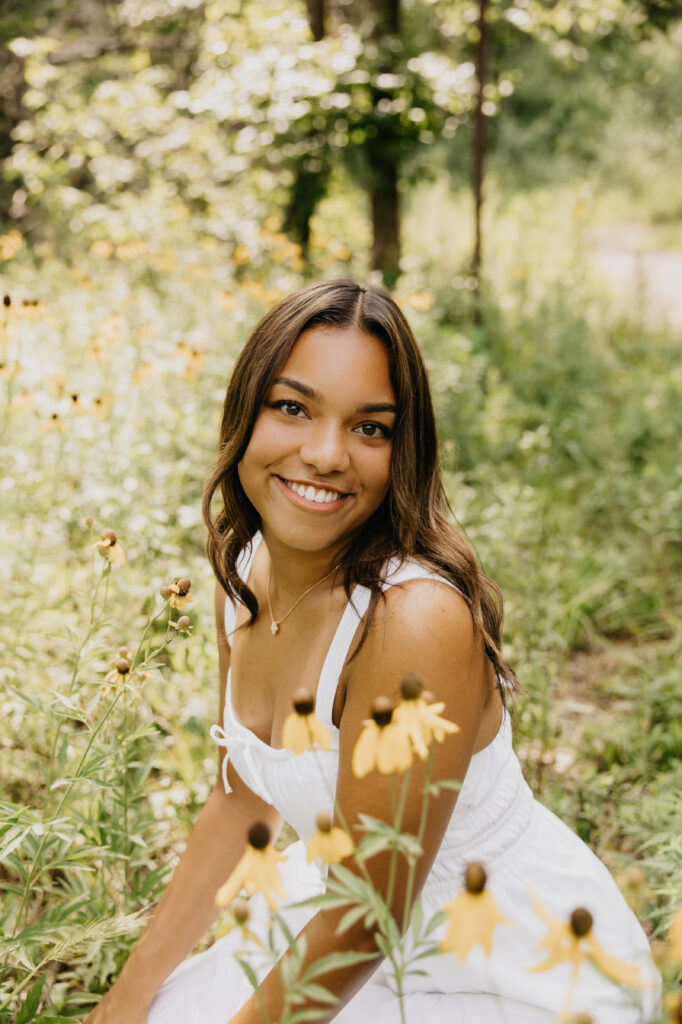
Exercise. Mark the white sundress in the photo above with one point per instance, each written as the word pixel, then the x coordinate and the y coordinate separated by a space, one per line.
pixel 527 851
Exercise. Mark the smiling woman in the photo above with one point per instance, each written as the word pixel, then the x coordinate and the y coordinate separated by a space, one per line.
pixel 341 586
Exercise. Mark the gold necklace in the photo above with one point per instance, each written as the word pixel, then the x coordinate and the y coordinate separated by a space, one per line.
pixel 276 623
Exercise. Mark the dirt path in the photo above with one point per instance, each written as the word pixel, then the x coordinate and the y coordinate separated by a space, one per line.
pixel 646 278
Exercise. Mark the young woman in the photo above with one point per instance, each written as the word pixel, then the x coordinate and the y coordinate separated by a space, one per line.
pixel 338 571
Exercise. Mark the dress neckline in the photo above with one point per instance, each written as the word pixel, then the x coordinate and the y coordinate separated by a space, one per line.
pixel 327 719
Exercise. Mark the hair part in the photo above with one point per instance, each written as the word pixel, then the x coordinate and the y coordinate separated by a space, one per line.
pixel 411 521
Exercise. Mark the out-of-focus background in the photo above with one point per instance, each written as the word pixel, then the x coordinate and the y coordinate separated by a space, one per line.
pixel 510 169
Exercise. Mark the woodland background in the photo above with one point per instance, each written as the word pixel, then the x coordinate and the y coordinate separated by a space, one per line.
pixel 170 168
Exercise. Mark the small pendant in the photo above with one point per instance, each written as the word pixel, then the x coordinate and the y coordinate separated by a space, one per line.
pixel 274 628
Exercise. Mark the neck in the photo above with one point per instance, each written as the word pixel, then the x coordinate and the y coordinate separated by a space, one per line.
pixel 292 570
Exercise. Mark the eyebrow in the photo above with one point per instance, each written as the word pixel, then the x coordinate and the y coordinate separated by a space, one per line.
pixel 316 396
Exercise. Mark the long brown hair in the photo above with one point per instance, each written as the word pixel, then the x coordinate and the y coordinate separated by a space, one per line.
pixel 412 520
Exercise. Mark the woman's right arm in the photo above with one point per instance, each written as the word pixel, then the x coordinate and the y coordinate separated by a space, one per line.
pixel 187 908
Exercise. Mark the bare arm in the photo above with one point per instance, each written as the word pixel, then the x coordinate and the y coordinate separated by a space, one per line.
pixel 425 628
pixel 187 908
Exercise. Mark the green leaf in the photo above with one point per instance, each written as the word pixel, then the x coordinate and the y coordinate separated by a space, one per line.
pixel 351 917
pixel 318 993
pixel 30 1005
pixel 337 961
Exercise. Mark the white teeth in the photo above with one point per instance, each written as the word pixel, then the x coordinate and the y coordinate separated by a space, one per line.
pixel 322 497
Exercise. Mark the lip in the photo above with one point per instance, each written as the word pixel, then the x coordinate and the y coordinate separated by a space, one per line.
pixel 313 506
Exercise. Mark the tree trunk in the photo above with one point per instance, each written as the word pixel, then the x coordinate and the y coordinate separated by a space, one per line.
pixel 316 15
pixel 385 207
pixel 384 166
pixel 479 149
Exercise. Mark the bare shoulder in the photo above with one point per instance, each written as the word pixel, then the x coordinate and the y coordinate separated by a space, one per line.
pixel 422 626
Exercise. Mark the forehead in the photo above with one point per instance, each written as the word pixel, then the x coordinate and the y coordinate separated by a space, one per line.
pixel 340 357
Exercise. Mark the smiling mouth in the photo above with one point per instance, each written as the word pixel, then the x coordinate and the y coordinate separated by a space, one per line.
pixel 321 496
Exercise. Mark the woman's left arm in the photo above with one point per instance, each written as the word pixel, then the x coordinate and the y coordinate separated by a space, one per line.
pixel 423 627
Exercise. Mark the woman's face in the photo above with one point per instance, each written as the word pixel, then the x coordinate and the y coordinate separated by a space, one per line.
pixel 318 463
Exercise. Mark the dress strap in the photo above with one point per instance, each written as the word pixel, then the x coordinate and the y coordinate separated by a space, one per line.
pixel 243 567
pixel 338 652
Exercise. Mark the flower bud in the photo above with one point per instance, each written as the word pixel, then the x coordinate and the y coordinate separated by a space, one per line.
pixel 240 911
pixel 165 592
pixel 304 702
pixel 109 535
pixel 183 585
pixel 475 878
pixel 581 922
pixel 259 835
pixel 411 686
pixel 324 823
pixel 382 711
pixel 89 521
pixel 123 652
pixel 184 622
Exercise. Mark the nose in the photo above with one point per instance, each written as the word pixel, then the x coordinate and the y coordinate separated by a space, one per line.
pixel 324 448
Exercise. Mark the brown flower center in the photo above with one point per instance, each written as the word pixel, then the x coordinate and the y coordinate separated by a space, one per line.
pixel 183 585
pixel 304 703
pixel 581 922
pixel 123 666
pixel 259 835
pixel 411 686
pixel 110 535
pixel 382 711
pixel 475 878
pixel 324 823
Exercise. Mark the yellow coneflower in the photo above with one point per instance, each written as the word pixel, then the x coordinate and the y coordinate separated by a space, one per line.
pixel 178 593
pixel 330 843
pixel 420 719
pixel 573 942
pixel 109 548
pixel 238 917
pixel 256 871
pixel 101 406
pixel 76 408
pixel 382 744
pixel 122 668
pixel 673 1004
pixel 183 624
pixel 302 729
pixel 54 422
pixel 675 936
pixel 472 916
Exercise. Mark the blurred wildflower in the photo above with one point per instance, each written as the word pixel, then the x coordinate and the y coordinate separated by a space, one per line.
pixel 330 843
pixel 580 211
pixel 120 672
pixel 421 301
pixel 101 406
pixel 102 249
pixel 57 382
pixel 420 720
pixel 472 916
pixel 142 374
pixel 194 359
pixel 302 728
pixel 95 350
pixel 24 400
pixel 9 243
pixel 54 423
pixel 673 1004
pixel 573 942
pixel 633 883
pixel 227 302
pixel 75 408
pixel 130 250
pixel 382 744
pixel 238 917
pixel 109 548
pixel 256 871
pixel 241 254
pixel 183 624
pixel 675 937
pixel 179 594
